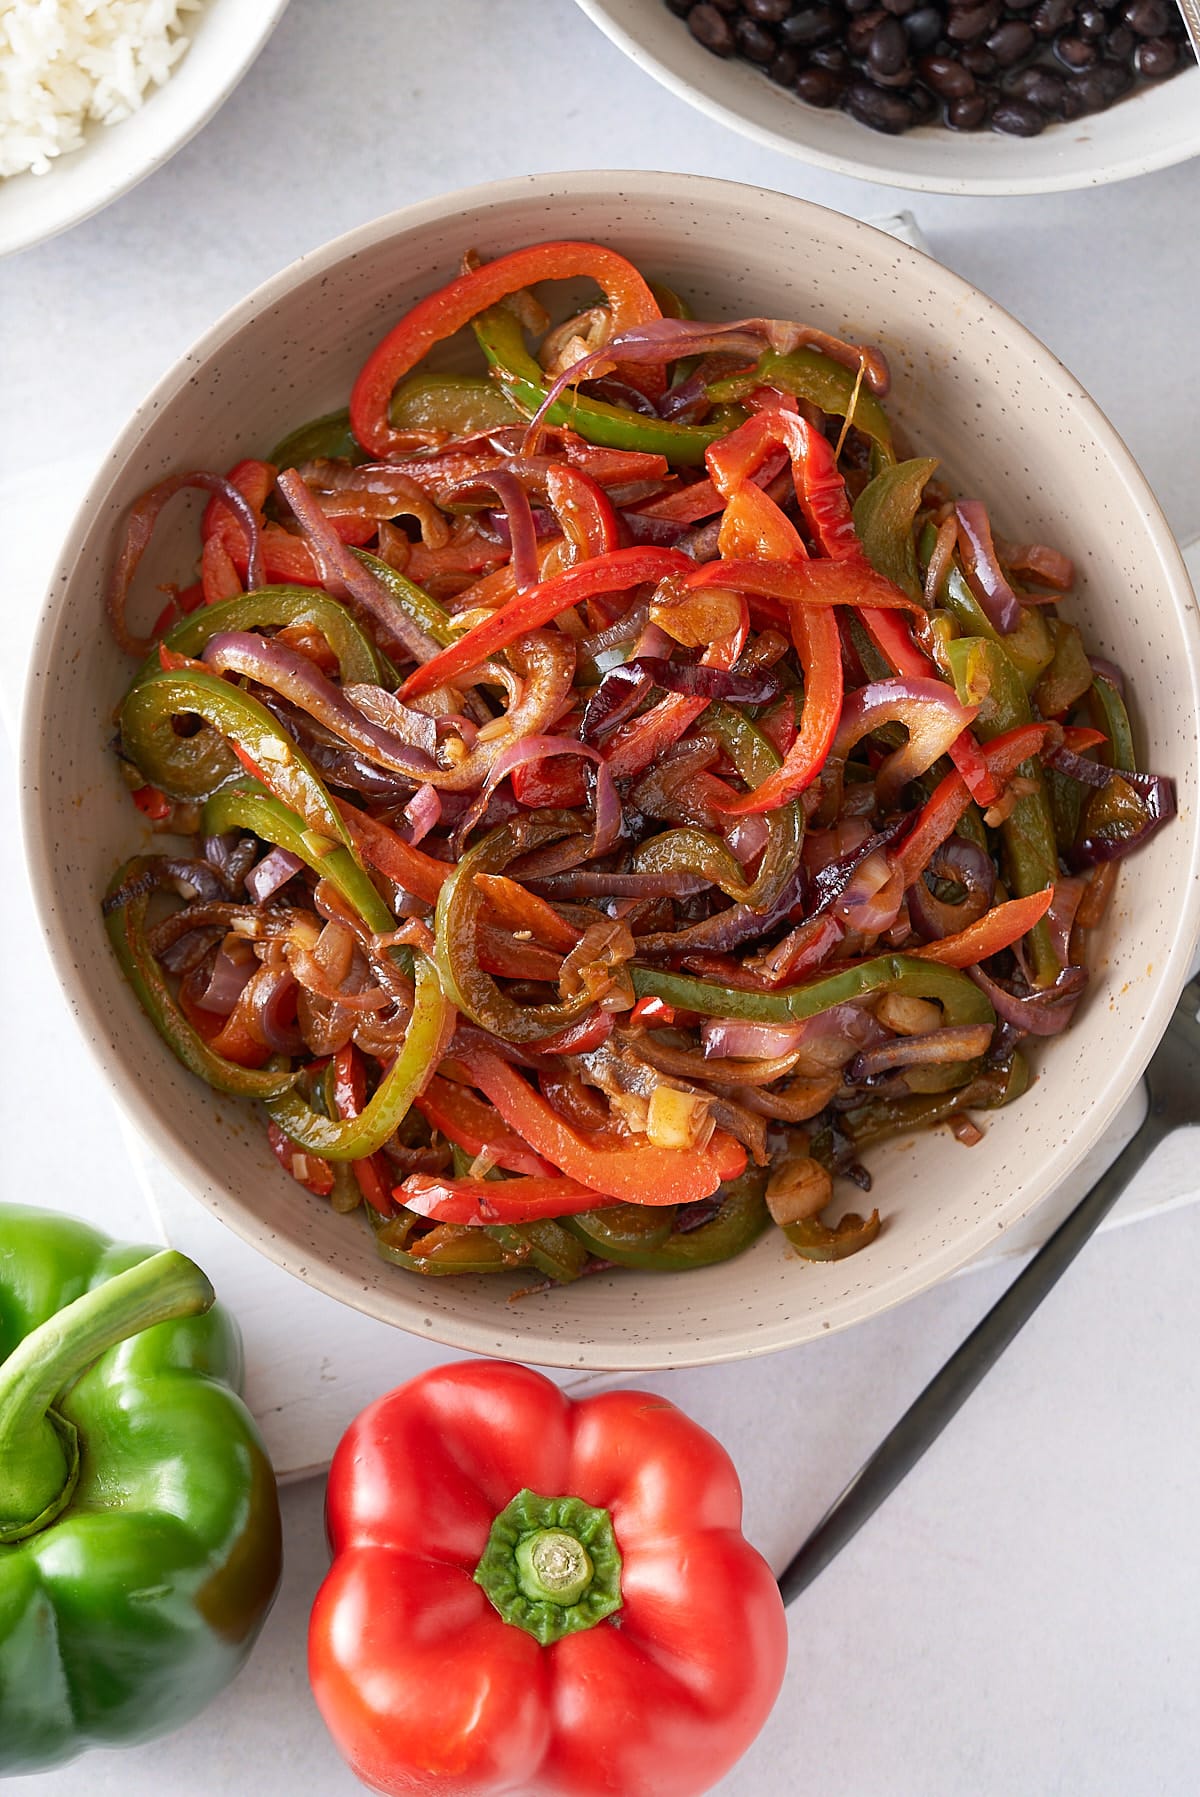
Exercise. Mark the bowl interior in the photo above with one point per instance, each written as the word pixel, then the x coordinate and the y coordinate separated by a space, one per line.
pixel 225 37
pixel 1153 129
pixel 969 385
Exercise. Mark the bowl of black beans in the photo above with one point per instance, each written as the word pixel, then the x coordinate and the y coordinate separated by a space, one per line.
pixel 954 96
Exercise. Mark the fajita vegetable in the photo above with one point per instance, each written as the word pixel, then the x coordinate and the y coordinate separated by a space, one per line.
pixel 539 1597
pixel 139 1526
pixel 617 783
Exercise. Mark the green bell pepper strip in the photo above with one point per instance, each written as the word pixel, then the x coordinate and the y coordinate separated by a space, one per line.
pixel 1109 714
pixel 883 517
pixel 691 850
pixel 1029 647
pixel 358 660
pixel 545 1244
pixel 880 1117
pixel 814 1240
pixel 961 1000
pixel 353 1138
pixel 247 805
pixel 141 1541
pixel 191 767
pixel 985 675
pixel 502 341
pixel 807 374
pixel 460 905
pixel 1068 674
pixel 459 403
pixel 413 600
pixel 126 927
pixel 458 1250
pixel 325 439
pixel 742 1218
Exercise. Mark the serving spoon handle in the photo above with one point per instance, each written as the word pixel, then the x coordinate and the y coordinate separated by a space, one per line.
pixel 949 1389
pixel 1191 20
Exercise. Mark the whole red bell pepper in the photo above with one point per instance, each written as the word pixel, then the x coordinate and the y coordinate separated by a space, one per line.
pixel 541 1598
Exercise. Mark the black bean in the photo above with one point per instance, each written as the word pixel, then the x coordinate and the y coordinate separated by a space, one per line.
pixel 1011 42
pixel 899 8
pixel 784 68
pixel 831 56
pixel 856 6
pixel 1090 21
pixel 967 113
pixel 946 77
pixel 1097 88
pixel 754 40
pixel 924 27
pixel 887 51
pixel 860 31
pixel 1156 57
pixel 871 106
pixel 1019 118
pixel 1041 87
pixel 1148 18
pixel 711 28
pixel 1076 52
pixel 923 104
pixel 1050 16
pixel 1120 43
pixel 767 12
pixel 820 87
pixel 680 8
pixel 727 6
pixel 970 22
pixel 815 25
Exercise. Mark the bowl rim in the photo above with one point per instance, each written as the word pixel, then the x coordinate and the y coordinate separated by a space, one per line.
pixel 866 167
pixel 180 124
pixel 132 1099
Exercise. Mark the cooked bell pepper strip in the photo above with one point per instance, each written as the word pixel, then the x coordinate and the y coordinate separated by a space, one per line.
pixel 270 607
pixel 353 1138
pixel 881 1117
pixel 465 1640
pixel 193 766
pixel 440 314
pixel 458 404
pixel 1030 646
pixel 558 783
pixel 444 1251
pixel 998 928
pixel 412 599
pixel 584 511
pixel 464 1119
pixel 820 488
pixel 126 927
pixel 537 605
pixel 951 799
pixel 883 520
pixel 1069 674
pixel 478 1202
pixel 982 670
pixel 635 1171
pixel 152 803
pixel 371 1174
pixel 742 1218
pixel 546 1245
pixel 519 909
pixel 316 1176
pixel 806 374
pixel 753 528
pixel 325 439
pixel 502 341
pixel 218 576
pixel 814 1240
pixel 1109 713
pixel 459 908
pixel 961 1001
pixel 815 631
pixel 422 876
pixel 139 1522
pixel 823 582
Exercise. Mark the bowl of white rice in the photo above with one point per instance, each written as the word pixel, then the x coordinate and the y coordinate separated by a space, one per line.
pixel 97 94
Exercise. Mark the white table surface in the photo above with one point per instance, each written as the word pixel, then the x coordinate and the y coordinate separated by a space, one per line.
pixel 1024 1617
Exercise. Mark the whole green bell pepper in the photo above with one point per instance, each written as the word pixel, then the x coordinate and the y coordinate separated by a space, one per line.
pixel 139 1523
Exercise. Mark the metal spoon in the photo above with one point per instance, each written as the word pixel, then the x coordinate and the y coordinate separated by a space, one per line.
pixel 1191 22
pixel 1173 1078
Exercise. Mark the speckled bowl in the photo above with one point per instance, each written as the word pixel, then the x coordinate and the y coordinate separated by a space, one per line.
pixel 1155 128
pixel 970 385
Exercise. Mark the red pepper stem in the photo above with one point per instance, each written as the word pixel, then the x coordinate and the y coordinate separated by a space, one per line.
pixel 551 1566
pixel 39 1448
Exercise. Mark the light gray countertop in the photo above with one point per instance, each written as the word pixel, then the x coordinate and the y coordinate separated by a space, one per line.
pixel 1023 1618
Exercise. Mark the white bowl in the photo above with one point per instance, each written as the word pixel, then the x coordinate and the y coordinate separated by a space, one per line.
pixel 225 37
pixel 970 385
pixel 1154 129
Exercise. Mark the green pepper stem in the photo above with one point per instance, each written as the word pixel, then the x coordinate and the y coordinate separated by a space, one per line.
pixel 39 1448
pixel 551 1566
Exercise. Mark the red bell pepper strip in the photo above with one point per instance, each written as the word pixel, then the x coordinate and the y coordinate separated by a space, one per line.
pixel 465 1119
pixel 559 782
pixel 580 1037
pixel 652 1013
pixel 815 631
pixel 519 909
pixel 996 929
pixel 308 1170
pixel 420 874
pixel 634 1171
pixel 584 511
pixel 820 488
pixel 152 803
pixel 537 605
pixel 350 1095
pixel 482 1201
pixel 823 582
pixel 440 314
pixel 890 634
pixel 642 1654
pixel 950 798
pixel 218 576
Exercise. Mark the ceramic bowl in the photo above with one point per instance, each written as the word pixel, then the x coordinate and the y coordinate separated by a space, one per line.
pixel 971 386
pixel 225 37
pixel 1154 129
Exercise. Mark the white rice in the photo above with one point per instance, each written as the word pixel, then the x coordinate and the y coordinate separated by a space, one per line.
pixel 65 63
